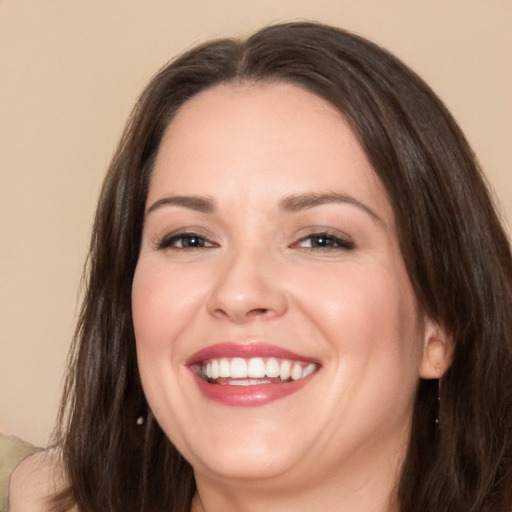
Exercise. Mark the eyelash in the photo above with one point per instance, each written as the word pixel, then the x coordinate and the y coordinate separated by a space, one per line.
pixel 330 242
pixel 168 241
pixel 325 242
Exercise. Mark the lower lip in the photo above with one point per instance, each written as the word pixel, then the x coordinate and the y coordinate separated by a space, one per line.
pixel 249 396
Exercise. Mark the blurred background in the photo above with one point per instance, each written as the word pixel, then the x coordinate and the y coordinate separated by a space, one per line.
pixel 70 71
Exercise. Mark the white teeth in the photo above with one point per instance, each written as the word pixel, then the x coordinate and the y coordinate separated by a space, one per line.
pixel 296 371
pixel 215 369
pixel 224 368
pixel 238 368
pixel 286 370
pixel 255 370
pixel 272 367
pixel 310 368
pixel 244 382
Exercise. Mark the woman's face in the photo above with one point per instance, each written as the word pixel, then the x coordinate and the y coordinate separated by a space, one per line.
pixel 278 335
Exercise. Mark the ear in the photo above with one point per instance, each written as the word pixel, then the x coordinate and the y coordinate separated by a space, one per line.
pixel 437 351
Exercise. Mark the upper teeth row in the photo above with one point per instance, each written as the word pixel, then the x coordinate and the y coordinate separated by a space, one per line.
pixel 256 368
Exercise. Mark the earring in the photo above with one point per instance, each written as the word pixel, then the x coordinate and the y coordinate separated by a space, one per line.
pixel 140 420
pixel 438 371
pixel 438 401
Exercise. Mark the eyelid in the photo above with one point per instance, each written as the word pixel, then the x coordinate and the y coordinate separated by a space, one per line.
pixel 342 240
pixel 166 241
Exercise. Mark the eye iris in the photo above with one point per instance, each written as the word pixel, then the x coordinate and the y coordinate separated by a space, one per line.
pixel 323 241
pixel 193 241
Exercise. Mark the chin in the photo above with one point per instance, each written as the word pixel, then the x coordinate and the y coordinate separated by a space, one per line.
pixel 245 457
pixel 244 465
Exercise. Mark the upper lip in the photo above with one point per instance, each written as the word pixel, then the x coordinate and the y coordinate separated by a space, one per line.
pixel 246 350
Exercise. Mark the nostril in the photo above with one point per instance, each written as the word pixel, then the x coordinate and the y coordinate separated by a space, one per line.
pixel 258 311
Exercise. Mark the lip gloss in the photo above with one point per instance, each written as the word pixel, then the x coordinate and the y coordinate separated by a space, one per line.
pixel 249 395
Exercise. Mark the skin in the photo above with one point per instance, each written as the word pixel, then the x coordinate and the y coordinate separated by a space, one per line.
pixel 34 481
pixel 337 443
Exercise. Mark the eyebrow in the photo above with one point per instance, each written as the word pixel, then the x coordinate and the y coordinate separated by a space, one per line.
pixel 197 203
pixel 290 203
pixel 294 203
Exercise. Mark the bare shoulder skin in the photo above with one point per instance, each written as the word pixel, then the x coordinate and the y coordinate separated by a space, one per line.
pixel 34 481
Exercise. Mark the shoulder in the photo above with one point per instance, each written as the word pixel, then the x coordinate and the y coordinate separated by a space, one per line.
pixel 34 481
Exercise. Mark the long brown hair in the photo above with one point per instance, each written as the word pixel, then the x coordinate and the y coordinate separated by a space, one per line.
pixel 457 255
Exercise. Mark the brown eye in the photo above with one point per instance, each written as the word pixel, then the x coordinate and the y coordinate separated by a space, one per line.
pixel 185 241
pixel 324 241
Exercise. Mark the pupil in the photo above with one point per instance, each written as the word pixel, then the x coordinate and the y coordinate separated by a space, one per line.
pixel 192 241
pixel 323 241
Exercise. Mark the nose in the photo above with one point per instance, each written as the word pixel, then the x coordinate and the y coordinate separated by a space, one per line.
pixel 247 289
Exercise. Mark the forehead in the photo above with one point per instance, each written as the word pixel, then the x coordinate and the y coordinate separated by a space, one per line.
pixel 270 138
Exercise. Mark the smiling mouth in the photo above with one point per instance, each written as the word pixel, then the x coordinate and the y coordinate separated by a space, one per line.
pixel 255 371
pixel 250 374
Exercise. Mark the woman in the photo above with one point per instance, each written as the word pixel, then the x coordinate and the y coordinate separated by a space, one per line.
pixel 298 295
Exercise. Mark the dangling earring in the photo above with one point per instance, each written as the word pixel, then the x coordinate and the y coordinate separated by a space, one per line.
pixel 438 401
pixel 140 420
pixel 438 408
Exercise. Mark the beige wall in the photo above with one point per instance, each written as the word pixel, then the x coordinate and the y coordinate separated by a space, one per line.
pixel 69 74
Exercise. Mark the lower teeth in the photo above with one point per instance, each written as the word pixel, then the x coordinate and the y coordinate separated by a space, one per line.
pixel 246 382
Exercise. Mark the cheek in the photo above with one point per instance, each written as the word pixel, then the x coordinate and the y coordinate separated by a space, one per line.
pixel 364 311
pixel 150 327
pixel 159 312
pixel 163 302
pixel 160 315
